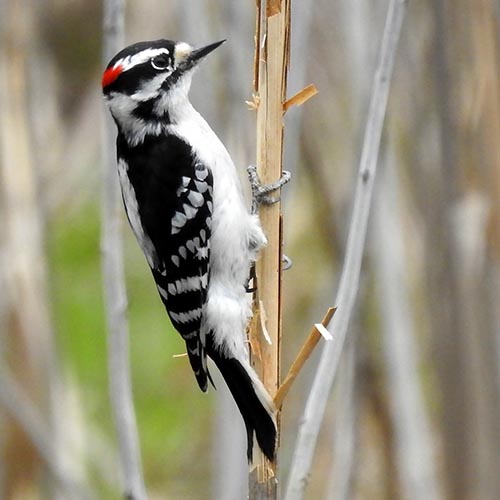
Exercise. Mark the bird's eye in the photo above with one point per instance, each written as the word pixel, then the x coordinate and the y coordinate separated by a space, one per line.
pixel 160 62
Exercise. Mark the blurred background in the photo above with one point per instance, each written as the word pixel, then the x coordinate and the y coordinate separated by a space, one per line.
pixel 415 413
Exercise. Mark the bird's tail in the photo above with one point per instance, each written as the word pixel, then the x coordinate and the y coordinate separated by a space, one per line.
pixel 255 404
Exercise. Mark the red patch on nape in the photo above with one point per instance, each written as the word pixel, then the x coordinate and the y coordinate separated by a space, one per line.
pixel 111 74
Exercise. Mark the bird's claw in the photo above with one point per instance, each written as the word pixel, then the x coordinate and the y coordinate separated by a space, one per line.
pixel 251 287
pixel 261 193
pixel 286 262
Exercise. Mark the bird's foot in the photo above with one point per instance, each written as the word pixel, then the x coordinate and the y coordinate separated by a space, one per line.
pixel 260 192
pixel 286 262
pixel 250 286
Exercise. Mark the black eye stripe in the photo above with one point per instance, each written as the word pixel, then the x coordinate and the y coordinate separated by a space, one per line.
pixel 160 62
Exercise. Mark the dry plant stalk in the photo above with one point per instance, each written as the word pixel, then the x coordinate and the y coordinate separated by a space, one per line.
pixel 303 355
pixel 316 404
pixel 114 285
pixel 271 65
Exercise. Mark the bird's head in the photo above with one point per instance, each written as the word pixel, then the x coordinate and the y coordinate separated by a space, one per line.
pixel 148 81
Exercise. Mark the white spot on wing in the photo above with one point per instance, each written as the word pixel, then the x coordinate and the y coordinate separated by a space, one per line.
pixel 202 253
pixel 201 174
pixel 201 186
pixel 179 219
pixel 191 284
pixel 182 252
pixel 204 280
pixel 186 317
pixel 196 199
pixel 163 293
pixel 190 211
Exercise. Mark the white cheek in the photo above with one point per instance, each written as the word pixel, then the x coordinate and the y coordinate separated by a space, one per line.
pixel 121 106
pixel 151 88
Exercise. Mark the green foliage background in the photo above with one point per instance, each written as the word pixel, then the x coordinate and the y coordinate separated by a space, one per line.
pixel 173 416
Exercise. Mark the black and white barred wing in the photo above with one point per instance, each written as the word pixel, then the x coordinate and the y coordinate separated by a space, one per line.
pixel 182 277
pixel 168 198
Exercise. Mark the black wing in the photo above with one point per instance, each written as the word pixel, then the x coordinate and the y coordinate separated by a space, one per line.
pixel 174 199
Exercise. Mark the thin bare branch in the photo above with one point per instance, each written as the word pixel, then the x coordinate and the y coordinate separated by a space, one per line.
pixel 27 298
pixel 413 437
pixel 22 410
pixel 303 355
pixel 345 432
pixel 349 283
pixel 114 285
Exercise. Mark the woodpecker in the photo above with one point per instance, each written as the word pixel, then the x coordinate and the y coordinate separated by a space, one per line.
pixel 185 205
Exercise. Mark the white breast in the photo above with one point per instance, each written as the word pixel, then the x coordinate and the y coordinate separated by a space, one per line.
pixel 236 234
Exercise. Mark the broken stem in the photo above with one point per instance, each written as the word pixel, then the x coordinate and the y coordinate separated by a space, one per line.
pixel 303 355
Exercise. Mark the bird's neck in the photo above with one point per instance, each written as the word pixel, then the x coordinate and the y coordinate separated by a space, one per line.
pixel 136 120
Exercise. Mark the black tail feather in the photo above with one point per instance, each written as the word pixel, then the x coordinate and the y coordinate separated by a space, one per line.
pixel 257 418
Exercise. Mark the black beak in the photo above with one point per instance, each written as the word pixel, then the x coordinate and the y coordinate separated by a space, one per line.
pixel 198 54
